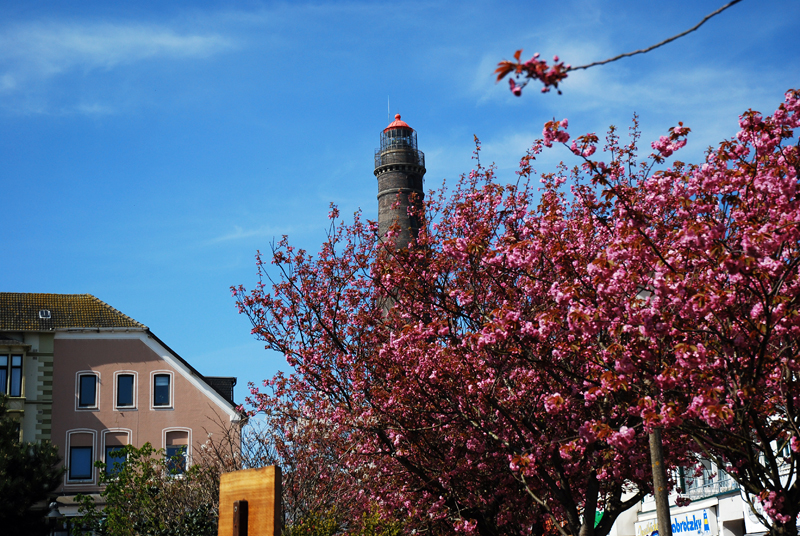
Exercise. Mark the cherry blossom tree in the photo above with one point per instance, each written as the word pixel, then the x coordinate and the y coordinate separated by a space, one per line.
pixel 701 283
pixel 472 414
pixel 502 373
pixel 454 401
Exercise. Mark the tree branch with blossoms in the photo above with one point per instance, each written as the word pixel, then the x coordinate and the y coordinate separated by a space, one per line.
pixel 550 75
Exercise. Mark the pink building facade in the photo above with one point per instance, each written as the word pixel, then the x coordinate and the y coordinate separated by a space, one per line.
pixel 90 379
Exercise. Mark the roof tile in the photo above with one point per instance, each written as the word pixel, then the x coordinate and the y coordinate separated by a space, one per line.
pixel 20 312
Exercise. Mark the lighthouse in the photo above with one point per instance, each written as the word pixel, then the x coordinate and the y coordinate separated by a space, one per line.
pixel 399 168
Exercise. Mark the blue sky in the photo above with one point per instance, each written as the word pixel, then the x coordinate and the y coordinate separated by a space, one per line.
pixel 148 149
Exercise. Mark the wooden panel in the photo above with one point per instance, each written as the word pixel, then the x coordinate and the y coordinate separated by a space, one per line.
pixel 261 488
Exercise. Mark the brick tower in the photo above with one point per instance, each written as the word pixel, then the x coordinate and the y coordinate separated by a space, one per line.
pixel 399 167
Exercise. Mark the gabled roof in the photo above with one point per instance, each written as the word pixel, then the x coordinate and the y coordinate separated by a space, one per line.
pixel 25 312
pixel 20 311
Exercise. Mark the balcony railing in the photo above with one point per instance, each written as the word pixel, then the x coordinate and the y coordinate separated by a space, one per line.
pixel 406 155
pixel 709 484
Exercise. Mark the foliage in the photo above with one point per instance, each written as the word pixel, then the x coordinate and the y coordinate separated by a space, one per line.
pixel 331 522
pixel 145 496
pixel 29 473
pixel 314 524
pixel 500 375
pixel 372 523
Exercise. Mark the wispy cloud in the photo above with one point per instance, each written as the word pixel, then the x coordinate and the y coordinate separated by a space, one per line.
pixel 54 47
pixel 240 233
pixel 94 109
pixel 507 150
pixel 7 82
pixel 36 51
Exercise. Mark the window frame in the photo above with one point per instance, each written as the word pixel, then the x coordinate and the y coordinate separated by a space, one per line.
pixel 110 467
pixel 187 455
pixel 68 479
pixel 6 385
pixel 183 452
pixel 78 375
pixel 171 394
pixel 71 466
pixel 20 381
pixel 127 431
pixel 134 388
pixel 4 370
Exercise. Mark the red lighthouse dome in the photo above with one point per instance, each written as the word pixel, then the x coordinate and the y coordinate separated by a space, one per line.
pixel 397 123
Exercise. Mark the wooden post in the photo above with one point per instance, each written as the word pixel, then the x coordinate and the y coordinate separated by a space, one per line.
pixel 250 500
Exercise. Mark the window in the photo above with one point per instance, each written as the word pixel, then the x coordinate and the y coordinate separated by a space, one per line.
pixel 80 455
pixel 87 391
pixel 176 449
pixel 11 375
pixel 176 459
pixel 80 463
pixel 161 394
pixel 125 391
pixel 115 457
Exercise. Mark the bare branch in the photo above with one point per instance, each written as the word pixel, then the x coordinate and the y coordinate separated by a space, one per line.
pixel 662 43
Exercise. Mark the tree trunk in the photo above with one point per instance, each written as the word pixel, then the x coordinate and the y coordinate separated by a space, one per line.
pixel 660 483
pixel 590 505
pixel 783 529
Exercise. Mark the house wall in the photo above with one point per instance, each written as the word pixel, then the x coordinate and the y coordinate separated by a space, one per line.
pixel 195 407
pixel 32 409
pixel 716 509
pixel 38 389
